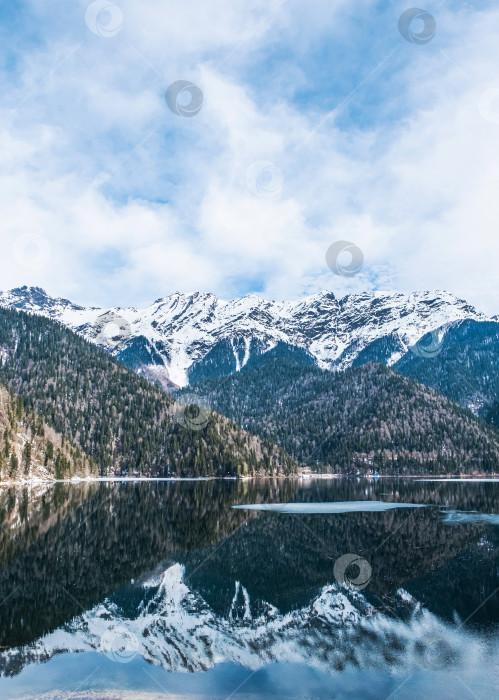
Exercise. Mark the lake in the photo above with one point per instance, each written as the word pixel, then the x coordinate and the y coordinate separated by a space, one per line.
pixel 172 589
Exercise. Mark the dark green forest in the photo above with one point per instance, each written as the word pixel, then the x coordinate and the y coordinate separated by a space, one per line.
pixel 365 418
pixel 466 369
pixel 123 423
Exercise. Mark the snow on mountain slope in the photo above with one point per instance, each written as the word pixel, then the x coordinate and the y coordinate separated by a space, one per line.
pixel 176 629
pixel 169 338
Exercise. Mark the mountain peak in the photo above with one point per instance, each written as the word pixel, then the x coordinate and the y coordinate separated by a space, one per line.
pixel 34 299
pixel 183 331
pixel 29 291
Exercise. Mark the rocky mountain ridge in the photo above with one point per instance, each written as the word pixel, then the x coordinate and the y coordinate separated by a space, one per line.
pixel 185 337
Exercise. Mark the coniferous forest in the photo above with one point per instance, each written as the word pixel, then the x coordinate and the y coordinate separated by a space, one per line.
pixel 123 424
pixel 280 412
pixel 365 418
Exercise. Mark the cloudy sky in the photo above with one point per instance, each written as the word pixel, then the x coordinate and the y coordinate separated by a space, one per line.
pixel 310 121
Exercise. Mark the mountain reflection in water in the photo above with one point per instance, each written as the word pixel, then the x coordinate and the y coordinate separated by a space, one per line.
pixel 172 574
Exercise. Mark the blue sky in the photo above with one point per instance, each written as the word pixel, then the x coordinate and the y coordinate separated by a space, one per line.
pixel 109 197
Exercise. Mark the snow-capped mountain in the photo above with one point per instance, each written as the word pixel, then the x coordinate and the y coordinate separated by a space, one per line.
pixel 183 336
pixel 176 629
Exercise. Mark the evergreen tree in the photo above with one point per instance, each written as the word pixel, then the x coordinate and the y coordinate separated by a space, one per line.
pixel 14 465
pixel 27 457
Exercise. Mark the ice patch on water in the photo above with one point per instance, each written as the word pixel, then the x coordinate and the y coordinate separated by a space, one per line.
pixel 325 508
pixel 470 516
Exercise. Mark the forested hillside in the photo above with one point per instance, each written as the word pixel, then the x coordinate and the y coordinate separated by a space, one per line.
pixel 367 417
pixel 466 369
pixel 30 449
pixel 126 425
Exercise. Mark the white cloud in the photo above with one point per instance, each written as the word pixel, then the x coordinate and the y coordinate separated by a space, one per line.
pixel 135 201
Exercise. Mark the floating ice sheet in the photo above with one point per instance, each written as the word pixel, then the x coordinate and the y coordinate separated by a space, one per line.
pixel 340 507
pixel 470 516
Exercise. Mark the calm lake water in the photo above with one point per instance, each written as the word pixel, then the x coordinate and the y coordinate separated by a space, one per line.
pixel 165 589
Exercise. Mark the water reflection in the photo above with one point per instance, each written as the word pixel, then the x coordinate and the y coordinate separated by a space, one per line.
pixel 172 626
pixel 172 573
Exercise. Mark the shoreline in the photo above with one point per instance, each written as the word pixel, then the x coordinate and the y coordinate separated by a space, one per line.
pixel 312 477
